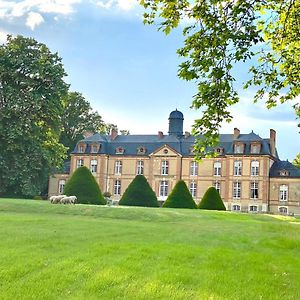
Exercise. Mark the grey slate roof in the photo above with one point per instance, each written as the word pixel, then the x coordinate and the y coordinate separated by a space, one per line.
pixel 181 144
pixel 279 166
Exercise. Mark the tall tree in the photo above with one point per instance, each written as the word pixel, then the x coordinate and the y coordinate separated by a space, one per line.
pixel 222 33
pixel 31 88
pixel 77 118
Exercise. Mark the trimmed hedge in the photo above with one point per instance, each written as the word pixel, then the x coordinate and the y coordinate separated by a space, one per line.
pixel 83 185
pixel 212 200
pixel 139 193
pixel 180 197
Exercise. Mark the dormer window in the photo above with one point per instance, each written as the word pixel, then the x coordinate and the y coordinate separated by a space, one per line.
pixel 255 148
pixel 220 150
pixel 95 148
pixel 166 151
pixel 284 173
pixel 141 150
pixel 238 148
pixel 81 148
pixel 120 150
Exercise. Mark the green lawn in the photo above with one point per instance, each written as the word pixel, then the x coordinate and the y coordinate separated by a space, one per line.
pixel 86 252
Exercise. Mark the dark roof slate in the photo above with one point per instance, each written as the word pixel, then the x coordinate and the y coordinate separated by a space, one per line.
pixel 181 144
pixel 279 166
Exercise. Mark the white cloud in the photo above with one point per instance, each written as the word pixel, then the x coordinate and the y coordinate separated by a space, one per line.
pixel 35 8
pixel 3 36
pixel 34 19
pixel 124 5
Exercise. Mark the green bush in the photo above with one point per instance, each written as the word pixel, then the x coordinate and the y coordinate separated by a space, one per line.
pixel 212 200
pixel 139 193
pixel 83 185
pixel 180 197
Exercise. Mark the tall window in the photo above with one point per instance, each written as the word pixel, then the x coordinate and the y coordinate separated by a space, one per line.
pixel 194 168
pixel 79 163
pixel 117 187
pixel 94 148
pixel 283 192
pixel 217 168
pixel 164 167
pixel 80 148
pixel 218 186
pixel 237 168
pixel 163 188
pixel 254 190
pixel 94 165
pixel 254 168
pixel 61 186
pixel 140 167
pixel 118 167
pixel 237 190
pixel 193 189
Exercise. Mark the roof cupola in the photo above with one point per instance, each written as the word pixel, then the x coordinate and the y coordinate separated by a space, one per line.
pixel 176 123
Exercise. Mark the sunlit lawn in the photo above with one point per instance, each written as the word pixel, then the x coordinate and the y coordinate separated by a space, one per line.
pixel 87 252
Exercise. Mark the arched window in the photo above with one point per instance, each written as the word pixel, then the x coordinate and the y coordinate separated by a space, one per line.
pixel 253 208
pixel 282 209
pixel 236 207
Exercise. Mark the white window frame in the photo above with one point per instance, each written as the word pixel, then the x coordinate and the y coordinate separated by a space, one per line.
pixel 140 167
pixel 94 148
pixel 283 192
pixel 193 189
pixel 255 149
pixel 238 148
pixel 194 168
pixel 283 207
pixel 235 206
pixel 165 167
pixel 61 186
pixel 117 187
pixel 217 168
pixel 254 168
pixel 118 167
pixel 237 168
pixel 94 165
pixel 217 185
pixel 253 208
pixel 236 192
pixel 163 188
pixel 254 191
pixel 79 163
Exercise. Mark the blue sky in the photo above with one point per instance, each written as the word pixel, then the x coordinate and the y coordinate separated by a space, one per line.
pixel 127 70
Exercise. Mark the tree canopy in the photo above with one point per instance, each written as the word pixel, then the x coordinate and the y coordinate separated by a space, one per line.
pixel 31 89
pixel 77 118
pixel 219 34
pixel 296 161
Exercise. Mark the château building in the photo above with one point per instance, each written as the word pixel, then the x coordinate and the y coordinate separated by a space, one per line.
pixel 247 171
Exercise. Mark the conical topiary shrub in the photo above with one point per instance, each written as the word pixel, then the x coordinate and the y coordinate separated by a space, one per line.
pixel 212 200
pixel 139 193
pixel 180 197
pixel 83 185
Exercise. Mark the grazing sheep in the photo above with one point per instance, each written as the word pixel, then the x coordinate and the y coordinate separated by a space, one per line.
pixel 56 199
pixel 68 200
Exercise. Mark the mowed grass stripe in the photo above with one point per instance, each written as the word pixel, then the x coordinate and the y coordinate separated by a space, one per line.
pixel 75 252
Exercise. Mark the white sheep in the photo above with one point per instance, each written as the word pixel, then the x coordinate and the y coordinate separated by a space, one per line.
pixel 56 199
pixel 68 200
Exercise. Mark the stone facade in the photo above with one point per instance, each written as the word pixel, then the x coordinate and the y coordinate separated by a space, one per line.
pixel 247 172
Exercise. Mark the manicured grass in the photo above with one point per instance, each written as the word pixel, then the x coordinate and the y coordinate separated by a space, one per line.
pixel 93 252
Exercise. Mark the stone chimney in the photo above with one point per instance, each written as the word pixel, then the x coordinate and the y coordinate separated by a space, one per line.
pixel 236 133
pixel 87 133
pixel 187 134
pixel 114 134
pixel 273 142
pixel 160 134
